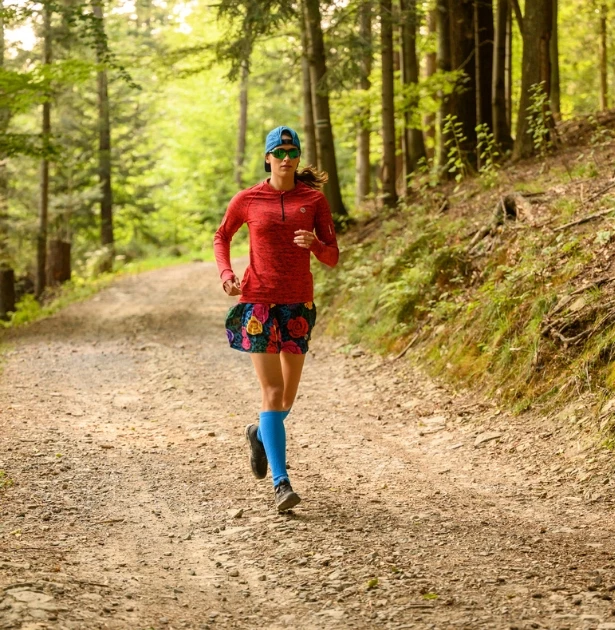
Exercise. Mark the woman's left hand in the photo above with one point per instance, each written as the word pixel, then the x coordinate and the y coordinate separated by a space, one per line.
pixel 304 239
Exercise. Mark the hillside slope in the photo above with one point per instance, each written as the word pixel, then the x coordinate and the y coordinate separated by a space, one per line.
pixel 505 283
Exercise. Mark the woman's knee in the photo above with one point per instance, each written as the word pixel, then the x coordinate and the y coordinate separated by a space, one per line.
pixel 274 396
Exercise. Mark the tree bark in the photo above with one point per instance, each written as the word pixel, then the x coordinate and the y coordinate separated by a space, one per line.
pixel 7 277
pixel 431 66
pixel 536 67
pixel 389 192
pixel 508 67
pixel 309 130
pixel 242 128
pixel 445 64
pixel 604 85
pixel 463 58
pixel 41 241
pixel 104 152
pixel 58 262
pixel 484 45
pixel 554 54
pixel 413 141
pixel 501 127
pixel 320 91
pixel 362 169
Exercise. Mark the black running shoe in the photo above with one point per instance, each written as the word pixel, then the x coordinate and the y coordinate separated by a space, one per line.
pixel 258 457
pixel 285 498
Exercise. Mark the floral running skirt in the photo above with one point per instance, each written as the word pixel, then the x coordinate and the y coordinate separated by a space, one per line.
pixel 271 328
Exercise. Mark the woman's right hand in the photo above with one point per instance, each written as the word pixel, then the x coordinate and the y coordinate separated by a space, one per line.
pixel 232 287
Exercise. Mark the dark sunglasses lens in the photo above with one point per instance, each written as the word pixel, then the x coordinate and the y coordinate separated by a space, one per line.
pixel 280 154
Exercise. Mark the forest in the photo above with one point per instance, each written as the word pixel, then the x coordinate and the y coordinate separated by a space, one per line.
pixel 127 126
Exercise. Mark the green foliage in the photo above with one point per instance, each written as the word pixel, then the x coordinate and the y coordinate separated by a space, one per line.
pixel 457 164
pixel 538 117
pixel 488 155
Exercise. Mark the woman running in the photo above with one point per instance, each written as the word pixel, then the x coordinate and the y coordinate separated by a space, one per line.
pixel 288 217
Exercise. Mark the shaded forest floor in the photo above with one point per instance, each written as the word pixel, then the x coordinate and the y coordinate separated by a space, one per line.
pixel 133 505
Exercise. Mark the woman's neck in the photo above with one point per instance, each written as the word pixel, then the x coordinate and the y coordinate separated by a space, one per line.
pixel 282 183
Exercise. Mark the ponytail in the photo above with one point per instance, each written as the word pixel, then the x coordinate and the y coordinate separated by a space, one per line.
pixel 311 177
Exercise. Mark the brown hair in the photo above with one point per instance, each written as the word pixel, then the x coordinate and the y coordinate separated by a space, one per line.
pixel 311 177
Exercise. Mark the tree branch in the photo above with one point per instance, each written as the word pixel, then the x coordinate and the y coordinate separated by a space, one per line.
pixel 518 14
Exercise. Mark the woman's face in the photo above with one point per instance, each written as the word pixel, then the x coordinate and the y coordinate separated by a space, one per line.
pixel 283 164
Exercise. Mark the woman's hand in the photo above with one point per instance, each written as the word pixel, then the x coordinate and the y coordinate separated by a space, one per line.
pixel 304 239
pixel 232 287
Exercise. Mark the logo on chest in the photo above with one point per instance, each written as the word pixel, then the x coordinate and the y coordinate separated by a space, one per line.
pixel 302 210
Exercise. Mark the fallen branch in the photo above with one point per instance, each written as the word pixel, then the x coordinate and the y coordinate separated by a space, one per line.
pixel 412 342
pixel 589 217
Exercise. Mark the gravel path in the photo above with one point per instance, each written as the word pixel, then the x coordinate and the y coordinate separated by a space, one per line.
pixel 133 507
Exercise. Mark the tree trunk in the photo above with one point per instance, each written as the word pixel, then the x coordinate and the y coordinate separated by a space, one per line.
pixel 7 277
pixel 362 170
pixel 243 123
pixel 445 64
pixel 320 91
pixel 104 152
pixel 389 192
pixel 7 292
pixel 508 68
pixel 536 67
pixel 484 45
pixel 554 54
pixel 429 122
pixel 41 242
pixel 310 157
pixel 463 58
pixel 604 86
pixel 58 263
pixel 413 141
pixel 501 127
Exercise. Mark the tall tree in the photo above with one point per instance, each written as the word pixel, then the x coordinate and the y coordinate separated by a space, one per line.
pixel 322 114
pixel 460 49
pixel 431 66
pixel 484 36
pixel 7 276
pixel 604 85
pixel 104 145
pixel 508 68
pixel 362 169
pixel 445 64
pixel 242 127
pixel 535 68
pixel 554 54
pixel 41 243
pixel 309 130
pixel 389 192
pixel 501 127
pixel 412 139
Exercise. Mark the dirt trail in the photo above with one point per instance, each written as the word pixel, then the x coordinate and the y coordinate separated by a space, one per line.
pixel 121 424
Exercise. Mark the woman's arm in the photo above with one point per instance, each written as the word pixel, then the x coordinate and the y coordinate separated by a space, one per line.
pixel 324 245
pixel 233 219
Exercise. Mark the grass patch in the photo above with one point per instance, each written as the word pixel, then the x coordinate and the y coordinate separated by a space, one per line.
pixel 480 319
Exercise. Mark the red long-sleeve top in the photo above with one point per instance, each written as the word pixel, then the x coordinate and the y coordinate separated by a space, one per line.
pixel 279 270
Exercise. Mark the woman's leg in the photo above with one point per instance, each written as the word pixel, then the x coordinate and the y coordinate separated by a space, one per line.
pixel 292 367
pixel 271 429
pixel 269 372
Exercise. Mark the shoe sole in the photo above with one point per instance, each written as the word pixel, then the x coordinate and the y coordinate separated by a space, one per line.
pixel 249 441
pixel 289 502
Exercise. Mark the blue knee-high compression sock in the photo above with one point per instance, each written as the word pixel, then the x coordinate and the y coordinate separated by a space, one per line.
pixel 273 435
pixel 258 431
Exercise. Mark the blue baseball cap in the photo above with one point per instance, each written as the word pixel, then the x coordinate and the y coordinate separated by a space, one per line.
pixel 277 137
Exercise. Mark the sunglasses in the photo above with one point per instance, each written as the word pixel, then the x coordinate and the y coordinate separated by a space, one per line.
pixel 280 154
